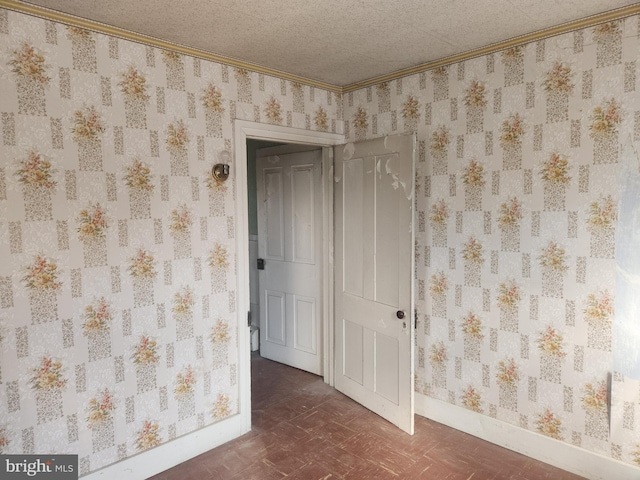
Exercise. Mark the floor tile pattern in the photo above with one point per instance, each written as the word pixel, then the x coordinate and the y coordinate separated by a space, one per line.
pixel 305 430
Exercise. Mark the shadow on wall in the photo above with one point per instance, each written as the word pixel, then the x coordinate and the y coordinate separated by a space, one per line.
pixel 626 328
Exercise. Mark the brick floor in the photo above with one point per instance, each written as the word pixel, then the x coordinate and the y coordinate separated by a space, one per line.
pixel 305 430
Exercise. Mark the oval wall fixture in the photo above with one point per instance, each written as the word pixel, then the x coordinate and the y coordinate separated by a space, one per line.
pixel 220 171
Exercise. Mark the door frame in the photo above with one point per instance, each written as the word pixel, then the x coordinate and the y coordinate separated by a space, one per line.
pixel 244 130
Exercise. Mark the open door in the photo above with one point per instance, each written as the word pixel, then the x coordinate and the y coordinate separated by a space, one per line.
pixel 374 310
pixel 289 196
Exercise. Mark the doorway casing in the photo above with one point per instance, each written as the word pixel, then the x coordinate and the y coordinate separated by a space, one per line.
pixel 244 130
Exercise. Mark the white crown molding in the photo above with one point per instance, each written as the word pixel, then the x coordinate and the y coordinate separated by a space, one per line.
pixel 38 11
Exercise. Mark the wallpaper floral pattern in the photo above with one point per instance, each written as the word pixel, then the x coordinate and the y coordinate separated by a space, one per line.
pixel 516 174
pixel 117 290
pixel 118 321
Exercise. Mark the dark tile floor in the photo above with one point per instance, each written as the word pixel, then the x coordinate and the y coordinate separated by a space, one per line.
pixel 305 430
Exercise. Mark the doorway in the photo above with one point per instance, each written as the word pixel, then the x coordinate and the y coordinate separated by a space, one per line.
pixel 383 167
pixel 289 268
pixel 245 130
pixel 252 147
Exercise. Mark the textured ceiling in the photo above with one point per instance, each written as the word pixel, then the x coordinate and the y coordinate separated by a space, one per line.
pixel 339 42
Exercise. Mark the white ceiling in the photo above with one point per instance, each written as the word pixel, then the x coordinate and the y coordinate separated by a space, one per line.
pixel 339 42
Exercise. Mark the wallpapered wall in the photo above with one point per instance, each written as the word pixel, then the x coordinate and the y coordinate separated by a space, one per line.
pixel 516 218
pixel 117 280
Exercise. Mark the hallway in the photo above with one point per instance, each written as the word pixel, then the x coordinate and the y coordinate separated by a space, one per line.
pixel 305 430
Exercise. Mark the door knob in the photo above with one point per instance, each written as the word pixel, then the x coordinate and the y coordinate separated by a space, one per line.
pixel 400 314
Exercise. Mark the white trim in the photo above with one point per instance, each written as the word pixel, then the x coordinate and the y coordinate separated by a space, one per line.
pixel 244 130
pixel 172 453
pixel 286 149
pixel 327 264
pixel 277 133
pixel 554 452
pixel 239 170
pixel 412 309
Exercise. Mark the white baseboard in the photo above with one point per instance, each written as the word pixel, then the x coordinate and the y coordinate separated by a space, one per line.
pixel 554 452
pixel 170 454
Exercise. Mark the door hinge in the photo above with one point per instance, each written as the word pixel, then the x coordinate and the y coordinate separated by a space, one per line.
pixel 415 319
pixel 249 318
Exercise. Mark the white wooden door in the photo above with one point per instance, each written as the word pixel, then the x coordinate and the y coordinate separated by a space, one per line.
pixel 373 279
pixel 289 195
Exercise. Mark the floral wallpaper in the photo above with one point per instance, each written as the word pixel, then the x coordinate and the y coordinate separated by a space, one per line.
pixel 118 321
pixel 516 213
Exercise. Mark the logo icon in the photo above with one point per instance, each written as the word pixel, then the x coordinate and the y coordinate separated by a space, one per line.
pixel 49 467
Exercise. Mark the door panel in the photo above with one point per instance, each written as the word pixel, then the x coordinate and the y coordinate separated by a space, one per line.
pixel 387 240
pixel 289 198
pixel 303 200
pixel 304 324
pixel 353 229
pixel 374 261
pixel 354 339
pixel 275 315
pixel 274 206
pixel 386 359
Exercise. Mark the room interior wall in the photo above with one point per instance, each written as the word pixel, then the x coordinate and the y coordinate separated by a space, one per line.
pixel 516 215
pixel 118 281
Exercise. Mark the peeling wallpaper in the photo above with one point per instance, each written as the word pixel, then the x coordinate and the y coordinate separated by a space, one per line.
pixel 516 214
pixel 117 281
